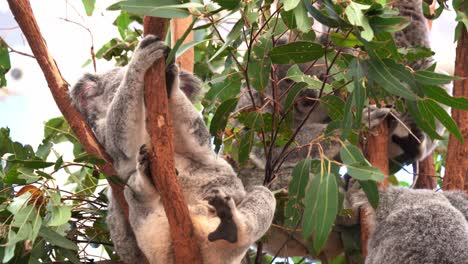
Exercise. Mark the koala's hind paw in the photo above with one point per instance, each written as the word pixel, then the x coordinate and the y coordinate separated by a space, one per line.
pixel 150 49
pixel 373 116
pixel 143 163
pixel 224 206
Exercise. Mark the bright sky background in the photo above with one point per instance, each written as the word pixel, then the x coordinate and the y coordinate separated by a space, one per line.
pixel 27 103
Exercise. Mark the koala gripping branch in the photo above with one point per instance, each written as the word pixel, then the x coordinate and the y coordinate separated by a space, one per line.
pixel 159 126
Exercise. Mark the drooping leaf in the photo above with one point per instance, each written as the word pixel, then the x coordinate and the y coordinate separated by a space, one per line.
pixel 442 115
pixel 303 22
pixel 321 208
pixel 372 192
pixel 245 146
pixel 296 192
pixel 220 119
pixel 423 119
pixel 260 63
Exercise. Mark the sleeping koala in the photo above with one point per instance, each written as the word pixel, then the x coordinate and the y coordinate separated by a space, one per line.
pixel 416 226
pixel 227 218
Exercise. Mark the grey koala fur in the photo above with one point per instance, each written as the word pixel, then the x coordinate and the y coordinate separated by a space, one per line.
pixel 408 143
pixel 416 226
pixel 227 218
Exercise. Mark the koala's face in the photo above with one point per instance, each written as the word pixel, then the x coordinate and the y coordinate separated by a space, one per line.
pixel 307 97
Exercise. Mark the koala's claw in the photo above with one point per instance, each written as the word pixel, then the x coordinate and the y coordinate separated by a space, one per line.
pixel 148 40
pixel 224 206
pixel 150 49
pixel 172 72
pixel 143 162
pixel 373 116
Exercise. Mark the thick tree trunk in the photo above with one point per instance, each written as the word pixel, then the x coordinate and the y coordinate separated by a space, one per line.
pixel 159 126
pixel 377 154
pixel 178 28
pixel 456 173
pixel 426 178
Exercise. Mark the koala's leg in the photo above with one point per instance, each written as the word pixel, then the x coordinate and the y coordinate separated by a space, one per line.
pixel 125 124
pixel 247 222
pixel 122 236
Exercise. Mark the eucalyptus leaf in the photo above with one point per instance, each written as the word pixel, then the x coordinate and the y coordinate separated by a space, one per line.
pixel 372 192
pixel 442 115
pixel 245 146
pixel 296 192
pixel 56 239
pixel 219 121
pixel 321 208
pixel 433 78
pixel 440 95
pixel 296 52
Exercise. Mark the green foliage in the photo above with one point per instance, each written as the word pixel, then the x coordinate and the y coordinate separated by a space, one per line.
pixel 40 222
pixel 248 56
pixel 4 62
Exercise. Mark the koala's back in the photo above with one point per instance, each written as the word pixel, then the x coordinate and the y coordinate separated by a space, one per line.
pixel 418 227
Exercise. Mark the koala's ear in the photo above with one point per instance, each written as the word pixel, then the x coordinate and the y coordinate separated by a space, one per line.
pixel 84 89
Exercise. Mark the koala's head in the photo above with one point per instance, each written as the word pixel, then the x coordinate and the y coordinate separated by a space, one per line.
pixel 306 98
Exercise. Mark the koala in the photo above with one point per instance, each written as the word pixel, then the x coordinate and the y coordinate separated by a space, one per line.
pixel 227 217
pixel 416 226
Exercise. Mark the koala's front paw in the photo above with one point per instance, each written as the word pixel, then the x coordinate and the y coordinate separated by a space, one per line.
pixel 172 72
pixel 143 163
pixel 373 116
pixel 150 49
pixel 225 207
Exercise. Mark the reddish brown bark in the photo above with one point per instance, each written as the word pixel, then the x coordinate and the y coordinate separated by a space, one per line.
pixel 24 15
pixel 185 61
pixel 159 126
pixel 456 173
pixel 426 174
pixel 377 154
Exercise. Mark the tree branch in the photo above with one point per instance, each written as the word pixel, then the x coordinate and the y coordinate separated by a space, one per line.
pixel 456 173
pixel 159 127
